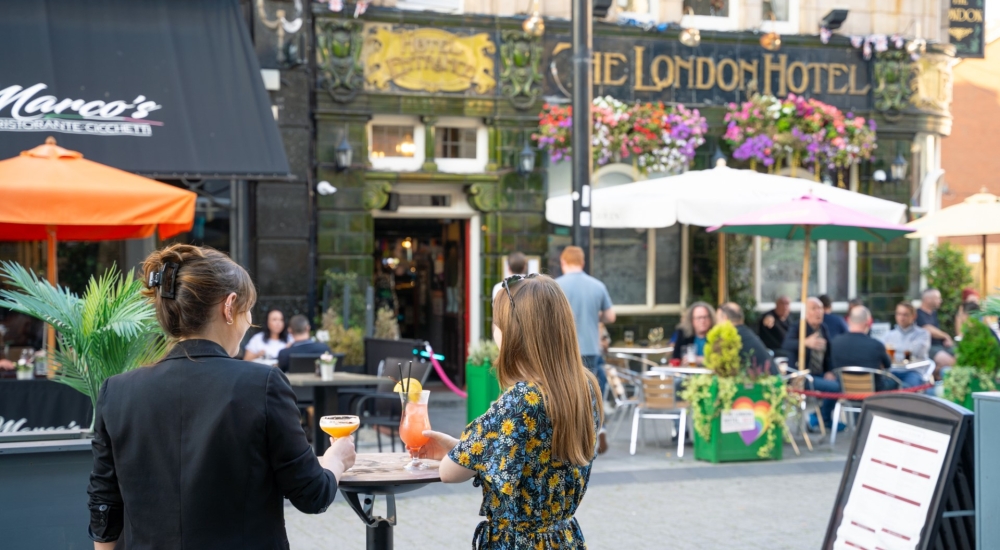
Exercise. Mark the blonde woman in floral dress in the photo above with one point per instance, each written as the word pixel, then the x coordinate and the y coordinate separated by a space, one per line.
pixel 532 450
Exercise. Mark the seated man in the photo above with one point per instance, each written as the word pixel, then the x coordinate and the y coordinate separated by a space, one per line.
pixel 942 346
pixel 907 339
pixel 857 349
pixel 817 357
pixel 753 350
pixel 835 324
pixel 302 343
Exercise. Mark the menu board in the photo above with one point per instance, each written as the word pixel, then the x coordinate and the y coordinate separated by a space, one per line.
pixel 893 488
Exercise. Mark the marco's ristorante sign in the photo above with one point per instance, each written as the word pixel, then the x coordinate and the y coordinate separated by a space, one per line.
pixel 34 109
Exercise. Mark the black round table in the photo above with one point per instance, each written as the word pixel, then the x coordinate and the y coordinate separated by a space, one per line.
pixel 382 474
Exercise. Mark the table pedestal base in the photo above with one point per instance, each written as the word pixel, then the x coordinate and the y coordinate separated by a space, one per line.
pixel 379 529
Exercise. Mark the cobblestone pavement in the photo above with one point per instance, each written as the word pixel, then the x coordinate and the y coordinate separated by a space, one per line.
pixel 651 500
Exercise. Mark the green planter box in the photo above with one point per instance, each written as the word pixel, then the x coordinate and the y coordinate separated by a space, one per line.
pixel 974 386
pixel 482 387
pixel 737 446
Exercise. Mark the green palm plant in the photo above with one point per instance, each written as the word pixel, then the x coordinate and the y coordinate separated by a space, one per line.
pixel 111 329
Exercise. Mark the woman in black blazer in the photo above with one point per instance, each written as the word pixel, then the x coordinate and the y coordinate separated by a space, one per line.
pixel 200 449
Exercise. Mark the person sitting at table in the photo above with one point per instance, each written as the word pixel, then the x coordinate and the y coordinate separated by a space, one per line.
pixel 693 330
pixel 774 325
pixel 302 342
pixel 818 361
pixel 970 304
pixel 856 349
pixel 267 343
pixel 835 324
pixel 942 346
pixel 753 351
pixel 200 448
pixel 532 451
pixel 907 336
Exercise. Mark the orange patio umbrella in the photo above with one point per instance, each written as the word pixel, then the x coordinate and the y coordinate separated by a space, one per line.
pixel 54 194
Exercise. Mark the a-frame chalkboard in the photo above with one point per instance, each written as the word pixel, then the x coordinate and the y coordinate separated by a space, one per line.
pixel 909 478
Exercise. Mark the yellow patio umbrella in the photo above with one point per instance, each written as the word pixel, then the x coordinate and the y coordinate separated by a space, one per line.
pixel 976 216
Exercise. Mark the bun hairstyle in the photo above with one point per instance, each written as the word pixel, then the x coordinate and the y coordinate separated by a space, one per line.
pixel 184 282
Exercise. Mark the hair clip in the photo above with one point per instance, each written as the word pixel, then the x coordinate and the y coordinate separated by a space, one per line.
pixel 168 286
pixel 155 278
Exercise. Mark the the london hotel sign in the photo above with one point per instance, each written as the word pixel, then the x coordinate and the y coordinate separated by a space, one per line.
pixel 434 60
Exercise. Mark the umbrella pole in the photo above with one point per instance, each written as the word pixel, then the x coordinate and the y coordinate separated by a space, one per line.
pixel 983 260
pixel 805 294
pixel 52 271
pixel 723 272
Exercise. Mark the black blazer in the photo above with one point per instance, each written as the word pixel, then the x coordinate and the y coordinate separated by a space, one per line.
pixel 198 451
pixel 305 347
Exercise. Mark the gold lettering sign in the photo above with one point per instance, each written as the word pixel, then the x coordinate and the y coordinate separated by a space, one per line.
pixel 429 60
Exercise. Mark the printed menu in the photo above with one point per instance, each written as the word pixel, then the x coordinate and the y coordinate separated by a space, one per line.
pixel 893 487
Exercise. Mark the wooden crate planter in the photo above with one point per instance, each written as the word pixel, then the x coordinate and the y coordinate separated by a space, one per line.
pixel 763 442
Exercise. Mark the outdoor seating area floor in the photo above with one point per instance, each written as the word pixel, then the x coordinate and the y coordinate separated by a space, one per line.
pixel 650 500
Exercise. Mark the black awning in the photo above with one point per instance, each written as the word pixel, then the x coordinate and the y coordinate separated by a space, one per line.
pixel 165 87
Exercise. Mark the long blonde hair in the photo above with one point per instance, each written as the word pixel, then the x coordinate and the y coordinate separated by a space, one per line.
pixel 539 345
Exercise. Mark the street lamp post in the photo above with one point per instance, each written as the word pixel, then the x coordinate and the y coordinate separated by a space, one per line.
pixel 583 46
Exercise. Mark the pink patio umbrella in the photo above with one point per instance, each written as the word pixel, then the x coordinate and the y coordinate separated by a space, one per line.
pixel 812 219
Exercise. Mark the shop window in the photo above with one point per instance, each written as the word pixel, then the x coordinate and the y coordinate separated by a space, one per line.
pixel 640 10
pixel 780 16
pixel 779 271
pixel 396 143
pixel 619 261
pixel 721 15
pixel 455 143
pixel 445 6
pixel 393 141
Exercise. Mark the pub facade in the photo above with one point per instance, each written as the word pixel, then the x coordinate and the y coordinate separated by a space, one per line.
pixel 439 112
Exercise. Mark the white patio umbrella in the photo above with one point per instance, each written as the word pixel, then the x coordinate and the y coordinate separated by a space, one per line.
pixel 976 216
pixel 707 198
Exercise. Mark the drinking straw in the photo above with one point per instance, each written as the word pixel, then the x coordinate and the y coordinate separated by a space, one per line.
pixel 400 367
pixel 409 372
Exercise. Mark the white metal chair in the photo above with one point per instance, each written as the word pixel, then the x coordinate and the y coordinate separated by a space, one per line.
pixel 925 368
pixel 624 388
pixel 658 400
pixel 855 380
pixel 643 362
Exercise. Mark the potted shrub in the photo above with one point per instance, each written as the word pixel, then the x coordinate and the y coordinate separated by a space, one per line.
pixel 111 329
pixel 480 378
pixel 348 341
pixel 738 412
pixel 977 356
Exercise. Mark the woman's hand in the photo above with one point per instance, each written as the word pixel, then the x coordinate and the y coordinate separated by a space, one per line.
pixel 340 456
pixel 439 445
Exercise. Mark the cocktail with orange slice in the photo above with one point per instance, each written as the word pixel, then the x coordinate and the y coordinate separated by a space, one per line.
pixel 414 421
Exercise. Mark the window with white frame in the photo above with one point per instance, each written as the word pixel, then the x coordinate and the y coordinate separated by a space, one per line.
pixel 719 15
pixel 779 270
pixel 781 16
pixel 396 143
pixel 461 145
pixel 640 10
pixel 642 268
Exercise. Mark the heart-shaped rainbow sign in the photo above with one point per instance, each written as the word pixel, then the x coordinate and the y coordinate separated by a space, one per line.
pixel 761 423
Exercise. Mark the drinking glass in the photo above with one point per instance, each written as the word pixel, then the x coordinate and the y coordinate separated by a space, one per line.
pixel 412 423
pixel 629 337
pixel 655 335
pixel 690 358
pixel 339 426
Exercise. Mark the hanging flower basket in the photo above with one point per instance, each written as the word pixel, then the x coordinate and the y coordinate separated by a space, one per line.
pixel 797 131
pixel 652 136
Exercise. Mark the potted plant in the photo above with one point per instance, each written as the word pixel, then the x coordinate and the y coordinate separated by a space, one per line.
pixel 480 376
pixel 977 356
pixel 348 341
pixel 111 329
pixel 738 411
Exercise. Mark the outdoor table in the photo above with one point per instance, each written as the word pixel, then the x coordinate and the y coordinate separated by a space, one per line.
pixel 682 370
pixel 382 474
pixel 325 396
pixel 643 351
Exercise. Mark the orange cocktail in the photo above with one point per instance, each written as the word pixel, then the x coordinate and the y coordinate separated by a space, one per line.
pixel 339 426
pixel 412 424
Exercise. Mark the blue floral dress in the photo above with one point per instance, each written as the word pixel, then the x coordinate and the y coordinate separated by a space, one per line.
pixel 528 497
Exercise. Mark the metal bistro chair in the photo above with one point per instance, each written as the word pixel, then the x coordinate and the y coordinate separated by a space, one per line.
pixel 856 380
pixel 643 362
pixel 659 401
pixel 796 379
pixel 620 382
pixel 925 368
